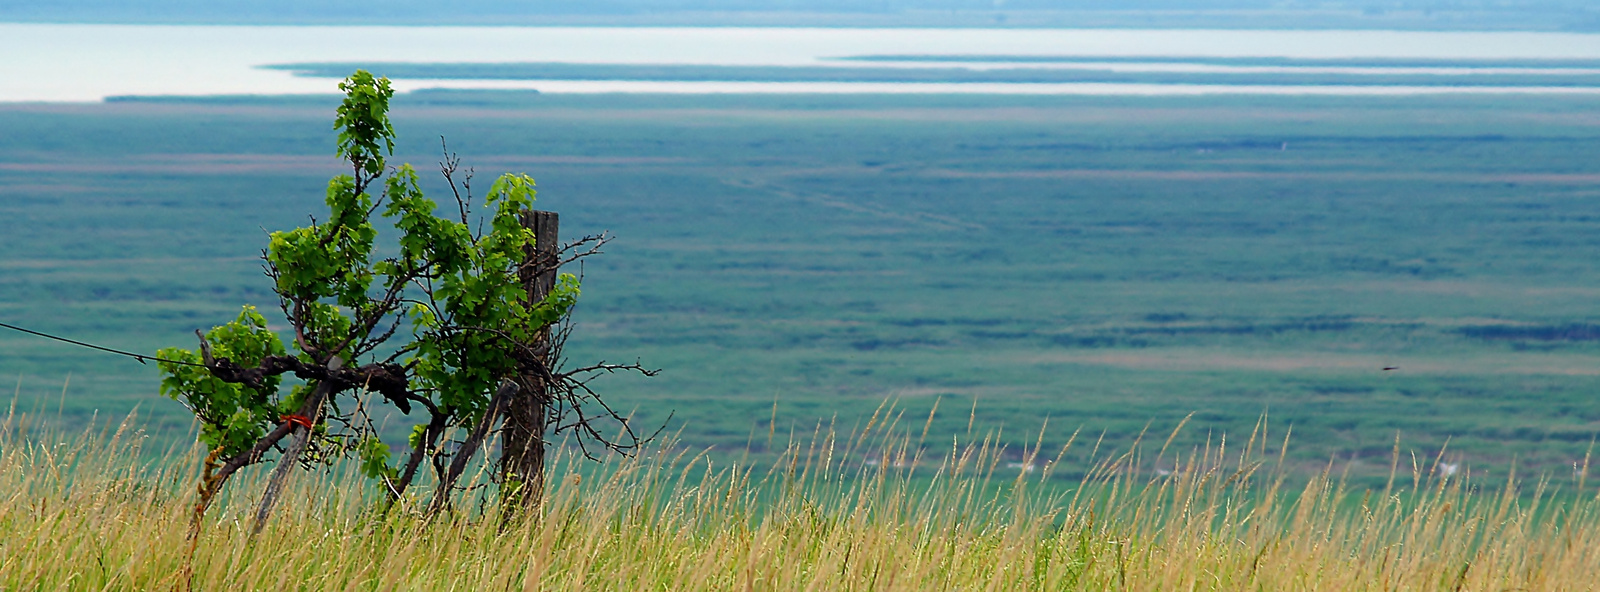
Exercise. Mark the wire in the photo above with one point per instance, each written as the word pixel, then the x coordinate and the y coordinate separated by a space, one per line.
pixel 140 357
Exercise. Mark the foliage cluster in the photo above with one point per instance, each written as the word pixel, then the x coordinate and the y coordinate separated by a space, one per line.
pixel 473 336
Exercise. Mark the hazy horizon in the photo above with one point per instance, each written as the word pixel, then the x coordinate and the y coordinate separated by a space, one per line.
pixel 1465 15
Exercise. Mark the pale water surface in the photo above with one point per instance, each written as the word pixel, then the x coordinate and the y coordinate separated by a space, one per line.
pixel 91 62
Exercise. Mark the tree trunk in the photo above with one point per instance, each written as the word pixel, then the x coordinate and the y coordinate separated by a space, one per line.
pixel 522 458
pixel 469 447
pixel 312 410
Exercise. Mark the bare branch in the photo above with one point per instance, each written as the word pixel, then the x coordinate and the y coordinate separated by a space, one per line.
pixel 389 380
pixel 441 497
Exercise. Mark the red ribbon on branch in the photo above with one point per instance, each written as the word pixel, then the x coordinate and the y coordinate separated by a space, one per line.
pixel 297 419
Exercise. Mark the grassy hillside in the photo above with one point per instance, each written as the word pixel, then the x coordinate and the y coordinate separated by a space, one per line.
pixel 870 510
pixel 1109 263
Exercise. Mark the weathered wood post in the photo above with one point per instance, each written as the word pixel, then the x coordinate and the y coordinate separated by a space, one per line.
pixel 522 456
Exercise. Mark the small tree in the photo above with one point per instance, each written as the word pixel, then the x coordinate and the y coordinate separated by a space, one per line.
pixel 443 329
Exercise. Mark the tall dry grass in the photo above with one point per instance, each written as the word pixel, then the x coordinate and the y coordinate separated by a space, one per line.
pixel 874 510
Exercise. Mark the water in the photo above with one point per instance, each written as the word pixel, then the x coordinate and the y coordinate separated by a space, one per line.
pixel 91 62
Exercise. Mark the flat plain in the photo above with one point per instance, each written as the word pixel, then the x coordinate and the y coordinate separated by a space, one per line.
pixel 1366 270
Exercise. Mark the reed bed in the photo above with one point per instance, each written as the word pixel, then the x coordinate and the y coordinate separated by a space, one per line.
pixel 876 509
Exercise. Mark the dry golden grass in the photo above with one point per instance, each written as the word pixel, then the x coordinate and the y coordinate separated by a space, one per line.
pixel 872 511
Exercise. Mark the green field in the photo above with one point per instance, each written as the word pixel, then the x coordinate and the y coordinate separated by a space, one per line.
pixel 1105 263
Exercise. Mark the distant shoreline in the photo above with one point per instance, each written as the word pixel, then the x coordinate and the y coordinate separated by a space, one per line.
pixel 953 74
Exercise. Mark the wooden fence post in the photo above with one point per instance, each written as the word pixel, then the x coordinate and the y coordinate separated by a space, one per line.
pixel 522 455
